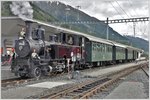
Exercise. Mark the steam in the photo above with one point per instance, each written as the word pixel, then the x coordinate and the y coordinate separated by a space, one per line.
pixel 22 9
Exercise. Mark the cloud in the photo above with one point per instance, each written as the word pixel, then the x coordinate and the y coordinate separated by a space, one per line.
pixel 105 7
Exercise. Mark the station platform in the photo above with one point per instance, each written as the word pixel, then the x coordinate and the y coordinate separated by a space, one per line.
pixel 134 86
pixel 6 73
pixel 128 90
pixel 34 89
pixel 99 71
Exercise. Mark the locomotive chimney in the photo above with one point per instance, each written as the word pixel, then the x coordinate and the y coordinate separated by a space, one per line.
pixel 28 29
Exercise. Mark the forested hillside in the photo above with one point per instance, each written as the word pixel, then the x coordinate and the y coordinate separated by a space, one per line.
pixel 138 42
pixel 56 12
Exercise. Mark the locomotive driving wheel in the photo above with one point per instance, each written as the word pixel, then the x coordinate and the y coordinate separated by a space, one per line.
pixel 36 72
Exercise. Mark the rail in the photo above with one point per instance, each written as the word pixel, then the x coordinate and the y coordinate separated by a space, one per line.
pixel 88 88
pixel 146 73
pixel 18 81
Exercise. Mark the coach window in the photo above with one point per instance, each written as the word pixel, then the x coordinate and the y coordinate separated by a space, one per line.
pixel 63 38
pixel 101 47
pixel 80 41
pixel 53 38
pixel 110 49
pixel 93 47
pixel 98 47
pixel 58 38
pixel 70 39
pixel 39 33
pixel 107 48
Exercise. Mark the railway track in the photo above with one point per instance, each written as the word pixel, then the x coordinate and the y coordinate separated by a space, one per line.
pixel 18 81
pixel 14 82
pixel 88 88
pixel 146 73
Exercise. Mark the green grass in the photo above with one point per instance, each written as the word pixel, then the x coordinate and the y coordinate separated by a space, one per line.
pixel 41 15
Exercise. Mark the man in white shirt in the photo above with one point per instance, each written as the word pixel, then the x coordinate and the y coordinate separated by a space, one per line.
pixel 34 54
pixel 22 34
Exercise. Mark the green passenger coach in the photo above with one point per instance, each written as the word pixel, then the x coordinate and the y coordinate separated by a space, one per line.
pixel 101 52
pixel 98 51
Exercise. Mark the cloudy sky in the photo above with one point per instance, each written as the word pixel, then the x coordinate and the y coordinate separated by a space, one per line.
pixel 116 9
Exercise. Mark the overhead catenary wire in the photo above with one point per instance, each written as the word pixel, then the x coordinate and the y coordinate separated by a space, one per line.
pixel 129 1
pixel 125 13
pixel 116 9
pixel 128 15
pixel 122 9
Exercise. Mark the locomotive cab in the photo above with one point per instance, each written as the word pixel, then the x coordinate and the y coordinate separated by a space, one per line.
pixel 38 34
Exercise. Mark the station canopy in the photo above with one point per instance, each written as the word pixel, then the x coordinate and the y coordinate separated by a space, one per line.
pixel 11 26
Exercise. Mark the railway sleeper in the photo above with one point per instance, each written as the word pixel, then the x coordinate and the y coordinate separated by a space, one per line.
pixel 87 87
pixel 78 91
pixel 66 97
pixel 72 94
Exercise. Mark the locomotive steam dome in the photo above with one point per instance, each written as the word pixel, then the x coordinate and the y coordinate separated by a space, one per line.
pixel 22 48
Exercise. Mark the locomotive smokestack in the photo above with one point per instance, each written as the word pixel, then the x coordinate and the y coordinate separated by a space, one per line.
pixel 28 29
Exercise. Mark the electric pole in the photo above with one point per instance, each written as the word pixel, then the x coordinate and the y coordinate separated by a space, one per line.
pixel 107 29
pixel 78 7
pixel 134 28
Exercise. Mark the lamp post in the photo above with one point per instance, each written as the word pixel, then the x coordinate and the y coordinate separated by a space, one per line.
pixel 78 7
pixel 112 36
pixel 107 37
pixel 67 9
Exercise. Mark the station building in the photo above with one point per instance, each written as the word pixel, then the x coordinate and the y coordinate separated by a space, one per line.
pixel 10 29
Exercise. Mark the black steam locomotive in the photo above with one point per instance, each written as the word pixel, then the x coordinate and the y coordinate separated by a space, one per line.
pixel 51 56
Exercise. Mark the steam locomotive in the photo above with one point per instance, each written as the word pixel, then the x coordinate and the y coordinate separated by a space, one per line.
pixel 53 54
pixel 55 60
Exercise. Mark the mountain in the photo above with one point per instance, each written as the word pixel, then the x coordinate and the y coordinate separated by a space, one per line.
pixel 139 43
pixel 37 13
pixel 56 12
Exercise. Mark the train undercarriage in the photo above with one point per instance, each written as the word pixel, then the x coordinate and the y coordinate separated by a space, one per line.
pixel 36 67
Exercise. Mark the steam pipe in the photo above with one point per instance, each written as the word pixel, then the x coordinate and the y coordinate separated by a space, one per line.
pixel 28 29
